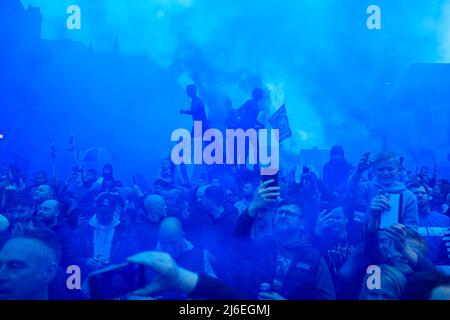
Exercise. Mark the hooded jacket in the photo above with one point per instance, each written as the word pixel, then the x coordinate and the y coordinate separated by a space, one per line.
pixel 125 240
pixel 409 215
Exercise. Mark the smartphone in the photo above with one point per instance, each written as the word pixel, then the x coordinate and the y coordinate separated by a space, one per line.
pixel 117 280
pixel 388 218
pixel 271 177
pixel 100 180
pixel 324 205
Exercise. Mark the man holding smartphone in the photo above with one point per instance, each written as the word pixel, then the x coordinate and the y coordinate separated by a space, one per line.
pixel 300 273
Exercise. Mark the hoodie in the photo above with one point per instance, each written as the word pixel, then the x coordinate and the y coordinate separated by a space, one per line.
pixel 409 215
pixel 103 237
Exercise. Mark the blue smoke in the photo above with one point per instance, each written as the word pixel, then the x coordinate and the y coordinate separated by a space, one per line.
pixel 318 57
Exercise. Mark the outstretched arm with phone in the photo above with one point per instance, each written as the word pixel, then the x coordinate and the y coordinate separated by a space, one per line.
pixel 170 276
pixel 264 195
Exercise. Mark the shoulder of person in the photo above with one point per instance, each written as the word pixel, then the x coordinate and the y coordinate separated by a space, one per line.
pixel 409 195
pixel 128 228
pixel 82 230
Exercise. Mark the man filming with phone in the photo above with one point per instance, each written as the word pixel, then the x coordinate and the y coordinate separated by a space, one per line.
pixel 286 260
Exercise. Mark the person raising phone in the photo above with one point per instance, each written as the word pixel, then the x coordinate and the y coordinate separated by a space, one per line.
pixel 386 170
pixel 378 195
pixel 285 260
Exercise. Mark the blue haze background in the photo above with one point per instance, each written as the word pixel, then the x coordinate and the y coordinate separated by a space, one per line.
pixel 118 83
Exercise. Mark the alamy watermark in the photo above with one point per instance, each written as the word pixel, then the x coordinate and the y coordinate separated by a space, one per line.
pixel 236 147
pixel 373 281
pixel 74 279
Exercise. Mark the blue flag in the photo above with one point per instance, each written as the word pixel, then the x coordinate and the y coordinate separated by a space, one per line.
pixel 279 120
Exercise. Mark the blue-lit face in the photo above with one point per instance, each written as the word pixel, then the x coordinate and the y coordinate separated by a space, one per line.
pixel 247 190
pixel 41 193
pixel 287 219
pixel 22 269
pixel 19 213
pixel 421 195
pixel 339 220
pixel 386 171
pixel 263 218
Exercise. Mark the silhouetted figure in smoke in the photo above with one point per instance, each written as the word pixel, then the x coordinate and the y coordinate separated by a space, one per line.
pixel 198 113
pixel 197 109
pixel 231 120
pixel 109 183
pixel 249 111
pixel 335 175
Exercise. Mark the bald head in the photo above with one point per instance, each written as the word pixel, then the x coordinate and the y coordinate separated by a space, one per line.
pixel 48 213
pixel 156 207
pixel 43 192
pixel 171 225
pixel 37 253
pixel 170 236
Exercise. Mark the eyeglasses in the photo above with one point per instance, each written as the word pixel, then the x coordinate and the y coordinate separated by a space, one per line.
pixel 290 214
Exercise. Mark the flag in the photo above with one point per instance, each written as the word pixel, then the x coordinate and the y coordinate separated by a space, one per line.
pixel 279 120
pixel 71 145
pixel 98 155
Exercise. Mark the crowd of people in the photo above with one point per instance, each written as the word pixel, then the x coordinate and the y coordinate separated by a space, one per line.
pixel 308 236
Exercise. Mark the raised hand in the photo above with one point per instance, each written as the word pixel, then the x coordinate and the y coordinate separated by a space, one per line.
pixel 364 163
pixel 324 220
pixel 168 274
pixel 264 195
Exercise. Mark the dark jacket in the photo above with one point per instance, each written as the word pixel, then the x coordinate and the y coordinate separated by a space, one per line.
pixel 307 277
pixel 64 235
pixel 213 289
pixel 192 260
pixel 409 215
pixel 335 176
pixel 336 251
pixel 127 241
pixel 212 233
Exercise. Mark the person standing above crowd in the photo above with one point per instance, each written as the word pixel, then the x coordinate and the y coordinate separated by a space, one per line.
pixel 197 109
pixel 335 175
